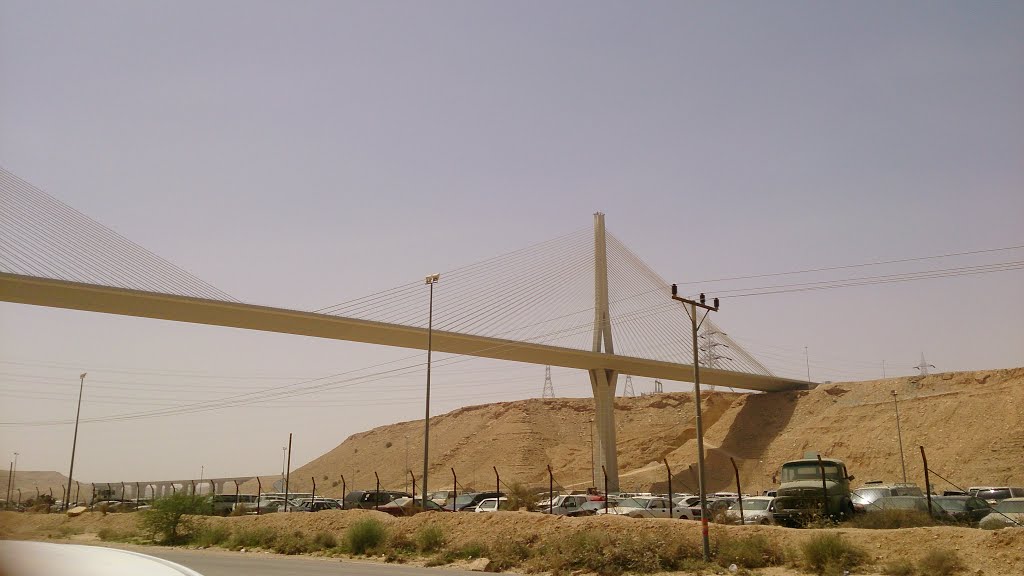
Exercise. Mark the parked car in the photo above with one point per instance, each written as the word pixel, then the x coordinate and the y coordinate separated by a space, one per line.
pixel 564 504
pixel 492 505
pixel 318 505
pixel 648 507
pixel 961 509
pixel 409 506
pixel 442 497
pixel 23 557
pixel 1009 512
pixel 994 494
pixel 469 500
pixel 908 503
pixel 756 510
pixel 864 496
pixel 371 498
pixel 591 507
pixel 687 500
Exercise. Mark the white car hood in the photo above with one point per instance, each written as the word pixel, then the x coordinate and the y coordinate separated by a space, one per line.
pixel 21 558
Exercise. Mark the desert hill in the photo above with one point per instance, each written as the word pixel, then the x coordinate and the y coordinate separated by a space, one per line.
pixel 29 480
pixel 970 423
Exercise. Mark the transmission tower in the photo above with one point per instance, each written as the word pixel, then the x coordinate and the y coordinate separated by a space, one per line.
pixel 924 366
pixel 549 390
pixel 627 390
pixel 708 348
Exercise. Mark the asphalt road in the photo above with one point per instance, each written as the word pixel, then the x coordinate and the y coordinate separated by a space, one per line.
pixel 224 563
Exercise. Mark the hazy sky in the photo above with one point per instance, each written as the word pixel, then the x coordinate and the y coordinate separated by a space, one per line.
pixel 301 154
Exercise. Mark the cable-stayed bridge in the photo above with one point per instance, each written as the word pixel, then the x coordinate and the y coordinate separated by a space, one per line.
pixel 583 301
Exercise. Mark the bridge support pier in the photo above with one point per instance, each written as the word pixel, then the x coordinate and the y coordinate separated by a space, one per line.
pixel 603 383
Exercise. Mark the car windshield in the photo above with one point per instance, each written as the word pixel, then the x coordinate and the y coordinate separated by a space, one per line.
pixel 439 495
pixel 751 505
pixel 951 504
pixel 994 494
pixel 464 499
pixel 630 503
pixel 1008 507
pixel 809 471
pixel 869 495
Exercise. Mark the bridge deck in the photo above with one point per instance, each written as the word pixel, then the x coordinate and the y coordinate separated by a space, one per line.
pixel 77 296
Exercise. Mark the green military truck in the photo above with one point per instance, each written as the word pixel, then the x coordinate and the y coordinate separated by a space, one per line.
pixel 812 488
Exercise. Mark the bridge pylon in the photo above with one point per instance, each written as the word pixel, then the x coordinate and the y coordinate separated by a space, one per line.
pixel 603 381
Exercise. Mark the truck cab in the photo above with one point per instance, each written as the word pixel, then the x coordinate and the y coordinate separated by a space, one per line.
pixel 813 489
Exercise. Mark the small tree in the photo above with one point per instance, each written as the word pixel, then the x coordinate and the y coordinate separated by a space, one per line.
pixel 168 517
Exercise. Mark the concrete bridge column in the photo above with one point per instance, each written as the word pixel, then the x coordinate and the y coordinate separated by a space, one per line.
pixel 218 487
pixel 603 383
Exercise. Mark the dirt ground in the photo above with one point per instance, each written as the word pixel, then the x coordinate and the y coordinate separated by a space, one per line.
pixel 986 553
pixel 970 423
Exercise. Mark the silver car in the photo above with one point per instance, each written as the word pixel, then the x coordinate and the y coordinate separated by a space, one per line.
pixel 756 510
pixel 1008 513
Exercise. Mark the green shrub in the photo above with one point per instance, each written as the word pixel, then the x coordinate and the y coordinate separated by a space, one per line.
pixel 900 567
pixel 940 563
pixel 365 535
pixel 520 496
pixel 211 535
pixel 829 553
pixel 754 551
pixel 429 539
pixel 260 537
pixel 324 540
pixel 111 535
pixel 472 549
pixel 507 554
pixel 168 518
pixel 892 519
pixel 292 543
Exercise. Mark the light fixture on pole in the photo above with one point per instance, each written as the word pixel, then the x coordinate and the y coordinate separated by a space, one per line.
pixel 692 313
pixel 899 435
pixel 74 441
pixel 430 280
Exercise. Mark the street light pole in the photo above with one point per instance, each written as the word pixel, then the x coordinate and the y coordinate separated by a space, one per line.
pixel 14 470
pixel 692 313
pixel 74 442
pixel 431 280
pixel 593 472
pixel 899 435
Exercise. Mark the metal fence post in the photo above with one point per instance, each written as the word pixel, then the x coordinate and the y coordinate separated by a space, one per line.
pixel 671 504
pixel 927 481
pixel 313 478
pixel 413 476
pixel 605 472
pixel 344 493
pixel 497 482
pixel 455 488
pixel 259 494
pixel 376 496
pixel 739 491
pixel 136 494
pixel 236 494
pixel 551 490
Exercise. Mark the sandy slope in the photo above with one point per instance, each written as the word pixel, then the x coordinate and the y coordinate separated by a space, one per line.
pixel 971 424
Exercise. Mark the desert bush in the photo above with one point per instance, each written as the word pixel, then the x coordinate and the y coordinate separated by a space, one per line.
pixel 900 567
pixel 429 539
pixel 324 540
pixel 365 535
pixel 940 563
pixel 520 496
pixel 291 543
pixel 754 551
pixel 168 518
pixel 237 511
pixel 112 535
pixel 892 519
pixel 211 535
pixel 507 554
pixel 260 537
pixel 829 553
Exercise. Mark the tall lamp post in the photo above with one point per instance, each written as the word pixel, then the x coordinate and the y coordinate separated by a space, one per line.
pixel 691 311
pixel 430 280
pixel 74 441
pixel 899 435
